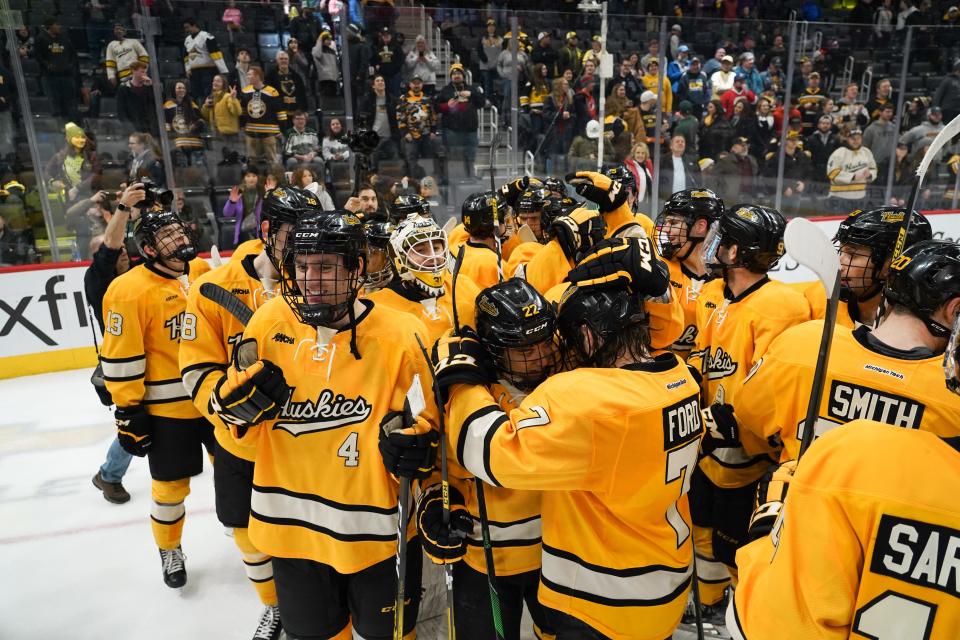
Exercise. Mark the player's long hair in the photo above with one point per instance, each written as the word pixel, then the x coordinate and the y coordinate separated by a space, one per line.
pixel 631 342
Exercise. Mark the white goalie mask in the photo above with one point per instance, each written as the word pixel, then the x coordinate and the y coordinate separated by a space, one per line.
pixel 419 250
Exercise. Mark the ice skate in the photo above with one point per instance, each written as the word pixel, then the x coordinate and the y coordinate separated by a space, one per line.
pixel 174 568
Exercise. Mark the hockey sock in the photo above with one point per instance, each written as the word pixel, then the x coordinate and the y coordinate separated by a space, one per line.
pixel 712 576
pixel 258 566
pixel 167 512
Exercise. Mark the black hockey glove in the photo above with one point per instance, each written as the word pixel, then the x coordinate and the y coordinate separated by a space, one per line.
pixel 512 190
pixel 609 195
pixel 720 428
pixel 248 397
pixel 461 360
pixel 618 263
pixel 578 231
pixel 134 429
pixel 771 492
pixel 408 451
pixel 443 543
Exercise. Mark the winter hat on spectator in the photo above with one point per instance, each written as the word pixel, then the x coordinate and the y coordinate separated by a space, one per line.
pixel 933 110
pixel 686 107
pixel 353 29
pixel 326 35
pixel 856 131
pixel 456 66
pixel 739 140
pixel 72 131
pixel 793 134
pixel 746 56
pixel 646 96
pixel 652 61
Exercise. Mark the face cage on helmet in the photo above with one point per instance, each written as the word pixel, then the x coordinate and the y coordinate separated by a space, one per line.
pixel 859 283
pixel 542 222
pixel 379 269
pixel 277 230
pixel 673 234
pixel 427 275
pixel 527 366
pixel 334 287
pixel 167 248
pixel 711 247
pixel 951 359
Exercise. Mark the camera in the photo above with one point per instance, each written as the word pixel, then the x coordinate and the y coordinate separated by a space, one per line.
pixel 362 141
pixel 154 195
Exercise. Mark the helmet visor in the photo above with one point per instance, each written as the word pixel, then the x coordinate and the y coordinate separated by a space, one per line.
pixel 711 245
pixel 951 359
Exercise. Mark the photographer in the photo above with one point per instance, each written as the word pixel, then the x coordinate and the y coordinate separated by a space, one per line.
pixel 458 104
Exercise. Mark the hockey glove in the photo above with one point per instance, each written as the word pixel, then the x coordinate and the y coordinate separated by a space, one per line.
pixel 512 190
pixel 248 397
pixel 443 543
pixel 134 429
pixel 771 492
pixel 622 263
pixel 408 451
pixel 609 195
pixel 720 428
pixel 578 231
pixel 461 360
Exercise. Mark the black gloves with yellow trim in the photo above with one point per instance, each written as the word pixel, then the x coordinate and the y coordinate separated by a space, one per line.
pixel 618 263
pixel 609 195
pixel 461 359
pixel 247 397
pixel 134 429
pixel 720 428
pixel 578 231
pixel 408 449
pixel 443 543
pixel 771 492
pixel 512 190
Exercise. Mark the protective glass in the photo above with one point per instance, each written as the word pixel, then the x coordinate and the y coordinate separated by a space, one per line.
pixel 951 358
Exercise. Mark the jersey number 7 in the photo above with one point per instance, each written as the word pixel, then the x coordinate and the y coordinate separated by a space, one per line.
pixel 680 464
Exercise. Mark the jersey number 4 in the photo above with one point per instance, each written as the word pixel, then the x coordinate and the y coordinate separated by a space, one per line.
pixel 349 451
pixel 680 464
pixel 894 616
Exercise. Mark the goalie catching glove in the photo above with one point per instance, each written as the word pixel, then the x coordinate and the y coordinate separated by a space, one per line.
pixel 461 360
pixel 578 231
pixel 618 263
pixel 408 450
pixel 609 195
pixel 443 543
pixel 134 430
pixel 248 397
pixel 771 492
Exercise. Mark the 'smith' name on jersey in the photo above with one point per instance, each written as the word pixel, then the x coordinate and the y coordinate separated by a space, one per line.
pixel 924 554
pixel 328 411
pixel 852 402
pixel 681 423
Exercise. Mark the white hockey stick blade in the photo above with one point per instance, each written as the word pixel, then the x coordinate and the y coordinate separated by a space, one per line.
pixel 450 225
pixel 933 151
pixel 215 256
pixel 809 245
pixel 415 396
pixel 526 234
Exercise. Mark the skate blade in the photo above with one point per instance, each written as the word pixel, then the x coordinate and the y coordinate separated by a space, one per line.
pixel 709 630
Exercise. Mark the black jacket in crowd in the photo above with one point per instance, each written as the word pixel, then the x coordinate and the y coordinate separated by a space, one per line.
pixel 55 54
pixel 367 111
pixel 464 115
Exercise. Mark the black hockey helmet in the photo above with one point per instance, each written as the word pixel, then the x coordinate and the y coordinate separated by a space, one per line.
pixel 680 212
pixel 516 326
pixel 165 233
pixel 530 211
pixel 379 268
pixel 322 300
pixel 604 312
pixel 555 185
pixel 757 232
pixel 406 204
pixel 925 278
pixel 620 173
pixel 877 231
pixel 479 211
pixel 285 205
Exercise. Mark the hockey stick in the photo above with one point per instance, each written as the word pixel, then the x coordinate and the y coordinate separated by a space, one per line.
pixel 493 156
pixel 215 256
pixel 445 489
pixel 231 303
pixel 415 403
pixel 809 245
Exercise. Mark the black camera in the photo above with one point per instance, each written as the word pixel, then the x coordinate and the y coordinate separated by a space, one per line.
pixel 154 195
pixel 363 141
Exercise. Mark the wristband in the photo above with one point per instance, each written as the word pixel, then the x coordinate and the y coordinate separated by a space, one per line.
pixel 122 207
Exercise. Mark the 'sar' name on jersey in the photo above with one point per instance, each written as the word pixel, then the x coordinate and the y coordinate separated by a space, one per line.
pixel 328 411
pixel 918 552
pixel 681 423
pixel 852 402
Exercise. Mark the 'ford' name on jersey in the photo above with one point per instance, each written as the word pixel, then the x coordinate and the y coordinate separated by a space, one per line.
pixel 328 411
pixel 681 423
pixel 851 402
pixel 917 552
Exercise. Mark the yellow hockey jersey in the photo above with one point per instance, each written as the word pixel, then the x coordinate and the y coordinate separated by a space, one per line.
pixel 624 566
pixel 734 333
pixel 247 248
pixel 198 267
pixel 459 236
pixel 144 317
pixel 816 297
pixel 685 287
pixel 866 547
pixel 205 358
pixel 864 381
pixel 480 264
pixel 320 490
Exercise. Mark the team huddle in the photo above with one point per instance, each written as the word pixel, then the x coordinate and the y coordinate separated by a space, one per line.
pixel 574 408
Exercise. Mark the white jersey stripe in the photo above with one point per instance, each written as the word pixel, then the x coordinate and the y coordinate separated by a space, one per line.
pixel 343 522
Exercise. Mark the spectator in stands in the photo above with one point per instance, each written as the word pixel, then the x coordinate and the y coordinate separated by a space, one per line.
pixel 593 53
pixel 854 115
pixel 534 93
pixel 417 124
pixel 883 94
pixel 947 95
pixel 387 60
pixel 221 111
pixel 582 155
pixel 915 113
pixel 810 102
pixel 919 137
pixel 87 218
pixel 327 63
pixel 305 178
pixel 6 104
pixel 570 56
pixel 850 169
pixel 687 126
pixel 184 122
pixel 773 79
pixel 25 42
pixel 334 148
pixel 423 64
pixel 122 52
pixel 558 109
pixel 135 102
pixel 797 166
pixel 378 109
pixel 300 62
pixel 144 159
pixel 904 172
pixel 722 81
pixel 545 54
pixel 232 17
pixel 880 137
pixel 883 25
pixel 650 81
pixel 202 59
pixel 238 77
pixel 507 69
pixel 586 105
pixel 302 146
pixel 98 87
pixel 14 247
pixel 263 114
pixel 715 131
pixel 366 201
pixel 244 204
pixel 74 171
pixel 96 15
pixel 360 55
pixel 715 63
pixel 764 131
pixel 745 124
pixel 58 69
pixel 738 92
pixel 748 69
pixel 192 222
pixel 821 144
pixel 800 80
pixel 304 27
pixel 694 87
pixel 735 172
pixel 488 52
pixel 640 164
pixel 629 81
pixel 676 68
pixel 458 104
pixel 653 53
pixel 678 171
pixel 289 84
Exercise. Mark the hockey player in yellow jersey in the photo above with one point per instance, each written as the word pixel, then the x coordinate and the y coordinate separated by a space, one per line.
pixel 317 373
pixel 379 267
pixel 738 315
pixel 681 227
pixel 623 569
pixel 203 362
pixel 485 218
pixel 423 286
pixel 144 312
pixel 247 248
pixel 887 500
pixel 865 240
